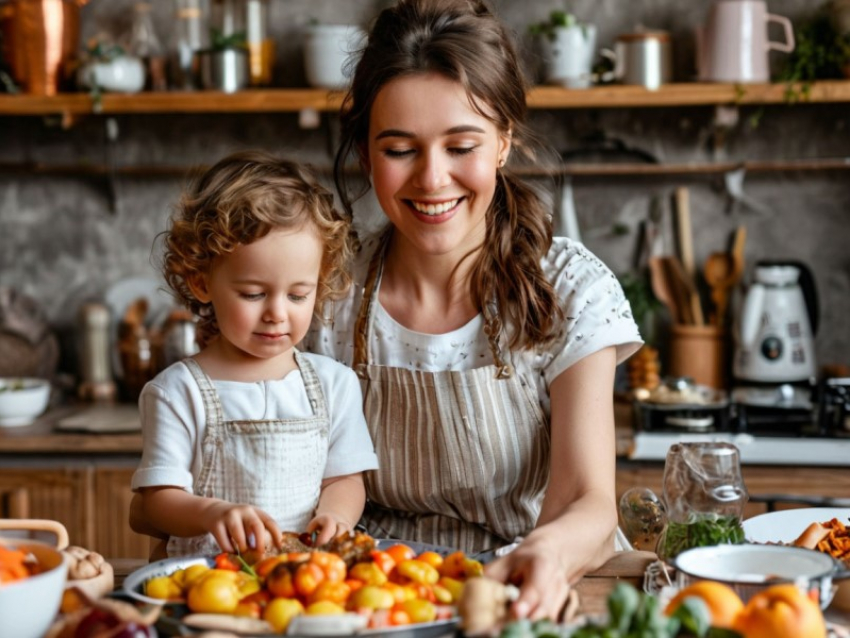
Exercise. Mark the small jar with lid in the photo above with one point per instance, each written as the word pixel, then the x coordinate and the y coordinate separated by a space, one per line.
pixel 643 57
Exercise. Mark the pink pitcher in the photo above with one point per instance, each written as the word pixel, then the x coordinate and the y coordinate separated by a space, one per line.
pixel 733 44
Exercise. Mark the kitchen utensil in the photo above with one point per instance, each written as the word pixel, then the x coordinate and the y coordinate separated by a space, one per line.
pixel 642 58
pixel 749 569
pixel 22 400
pixel 28 606
pixel 739 241
pixel 733 45
pixel 685 291
pixel 775 339
pixel 682 206
pixel 662 289
pixel 720 274
pixel 568 55
pixel 40 42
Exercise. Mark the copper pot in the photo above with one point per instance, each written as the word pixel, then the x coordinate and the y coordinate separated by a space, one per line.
pixel 40 42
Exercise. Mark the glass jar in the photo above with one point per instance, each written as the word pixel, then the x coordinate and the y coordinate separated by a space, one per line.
pixel 191 33
pixel 145 44
pixel 704 497
pixel 260 45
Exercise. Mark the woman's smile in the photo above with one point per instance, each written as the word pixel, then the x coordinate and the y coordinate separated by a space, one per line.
pixel 435 212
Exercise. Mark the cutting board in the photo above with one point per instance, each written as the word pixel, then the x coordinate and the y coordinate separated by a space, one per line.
pixel 103 419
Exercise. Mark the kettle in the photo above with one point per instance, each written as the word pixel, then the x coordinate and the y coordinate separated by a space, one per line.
pixel 733 45
pixel 778 320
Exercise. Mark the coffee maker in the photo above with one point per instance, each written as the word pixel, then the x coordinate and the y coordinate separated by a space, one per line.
pixel 774 360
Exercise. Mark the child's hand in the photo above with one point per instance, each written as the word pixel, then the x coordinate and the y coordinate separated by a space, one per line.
pixel 237 528
pixel 328 527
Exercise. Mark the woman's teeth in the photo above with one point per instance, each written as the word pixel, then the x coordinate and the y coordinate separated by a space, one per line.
pixel 435 209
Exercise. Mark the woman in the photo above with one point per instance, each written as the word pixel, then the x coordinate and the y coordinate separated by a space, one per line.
pixel 486 349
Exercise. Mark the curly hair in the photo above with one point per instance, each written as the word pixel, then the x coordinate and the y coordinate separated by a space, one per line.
pixel 465 42
pixel 238 201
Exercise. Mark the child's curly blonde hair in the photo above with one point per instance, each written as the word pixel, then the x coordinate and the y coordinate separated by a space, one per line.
pixel 238 201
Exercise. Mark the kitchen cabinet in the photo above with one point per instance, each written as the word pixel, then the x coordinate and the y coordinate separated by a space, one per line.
pixel 761 481
pixel 91 501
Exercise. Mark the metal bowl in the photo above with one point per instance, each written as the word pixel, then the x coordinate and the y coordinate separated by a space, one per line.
pixel 750 569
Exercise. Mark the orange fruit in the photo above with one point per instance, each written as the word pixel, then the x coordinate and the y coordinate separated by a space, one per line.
pixel 781 611
pixel 721 600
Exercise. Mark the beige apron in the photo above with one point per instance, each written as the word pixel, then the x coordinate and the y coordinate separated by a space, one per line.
pixel 463 455
pixel 276 465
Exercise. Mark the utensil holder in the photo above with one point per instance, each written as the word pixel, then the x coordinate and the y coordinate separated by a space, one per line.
pixel 699 352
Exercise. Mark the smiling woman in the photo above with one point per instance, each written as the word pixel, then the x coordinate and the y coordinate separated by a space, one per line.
pixel 483 344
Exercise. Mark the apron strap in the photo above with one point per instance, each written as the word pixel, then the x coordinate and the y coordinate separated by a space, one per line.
pixel 212 404
pixel 312 386
pixel 362 325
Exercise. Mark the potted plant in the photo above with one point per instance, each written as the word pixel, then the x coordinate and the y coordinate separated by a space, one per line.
pixel 108 67
pixel 567 47
pixel 224 66
pixel 822 53
pixel 328 51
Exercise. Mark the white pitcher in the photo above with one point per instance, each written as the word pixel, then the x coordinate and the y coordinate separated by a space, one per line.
pixel 733 44
pixel 568 55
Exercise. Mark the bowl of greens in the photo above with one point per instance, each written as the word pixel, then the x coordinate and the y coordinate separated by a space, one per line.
pixel 22 400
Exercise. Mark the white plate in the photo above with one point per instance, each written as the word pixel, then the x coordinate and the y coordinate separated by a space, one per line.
pixel 785 526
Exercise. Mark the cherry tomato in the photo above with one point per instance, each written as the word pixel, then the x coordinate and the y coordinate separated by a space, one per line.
pixel 308 576
pixel 432 558
pixel 418 571
pixel 281 581
pixel 281 611
pixel 383 560
pixel 332 565
pixel 453 565
pixel 371 597
pixel 400 552
pixel 369 573
pixel 418 610
pixel 331 591
pixel 228 562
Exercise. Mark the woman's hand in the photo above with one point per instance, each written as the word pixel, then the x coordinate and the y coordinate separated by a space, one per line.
pixel 537 567
pixel 328 526
pixel 237 528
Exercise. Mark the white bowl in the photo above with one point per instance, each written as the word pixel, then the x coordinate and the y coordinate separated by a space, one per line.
pixel 28 606
pixel 785 526
pixel 22 400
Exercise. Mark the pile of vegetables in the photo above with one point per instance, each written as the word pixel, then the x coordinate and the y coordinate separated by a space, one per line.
pixel 701 530
pixel 390 587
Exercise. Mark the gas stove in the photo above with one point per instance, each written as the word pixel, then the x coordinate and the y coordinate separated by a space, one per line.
pixel 755 449
pixel 814 430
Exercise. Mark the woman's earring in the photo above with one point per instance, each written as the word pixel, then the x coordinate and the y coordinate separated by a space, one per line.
pixel 501 162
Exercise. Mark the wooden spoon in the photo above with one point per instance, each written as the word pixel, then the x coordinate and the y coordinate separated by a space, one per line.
pixel 720 274
pixel 661 288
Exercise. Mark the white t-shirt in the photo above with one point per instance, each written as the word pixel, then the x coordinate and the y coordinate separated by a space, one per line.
pixel 595 307
pixel 174 419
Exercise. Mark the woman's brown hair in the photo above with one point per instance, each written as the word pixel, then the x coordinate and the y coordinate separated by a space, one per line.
pixel 236 202
pixel 464 41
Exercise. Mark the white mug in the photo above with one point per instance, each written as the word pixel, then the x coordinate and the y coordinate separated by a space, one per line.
pixel 733 44
pixel 568 55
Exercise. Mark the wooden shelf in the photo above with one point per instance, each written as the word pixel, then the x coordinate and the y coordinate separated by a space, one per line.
pixel 294 100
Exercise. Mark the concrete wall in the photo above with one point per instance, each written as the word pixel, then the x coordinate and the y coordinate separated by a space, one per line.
pixel 70 237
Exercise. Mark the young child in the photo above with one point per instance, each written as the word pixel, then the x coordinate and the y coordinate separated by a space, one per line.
pixel 251 437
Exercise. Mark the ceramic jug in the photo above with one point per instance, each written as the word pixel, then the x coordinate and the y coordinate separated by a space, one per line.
pixel 733 44
pixel 568 55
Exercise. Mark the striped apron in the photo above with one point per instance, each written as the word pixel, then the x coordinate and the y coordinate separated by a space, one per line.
pixel 463 455
pixel 276 465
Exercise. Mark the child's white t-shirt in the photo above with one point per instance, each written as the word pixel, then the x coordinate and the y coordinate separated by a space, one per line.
pixel 174 419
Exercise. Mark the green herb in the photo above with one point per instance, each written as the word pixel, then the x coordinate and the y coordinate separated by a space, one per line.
pixel 245 566
pixel 820 53
pixel 221 42
pixel 638 291
pixel 557 19
pixel 702 530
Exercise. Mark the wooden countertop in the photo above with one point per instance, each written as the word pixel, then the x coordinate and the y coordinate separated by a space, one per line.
pixel 42 437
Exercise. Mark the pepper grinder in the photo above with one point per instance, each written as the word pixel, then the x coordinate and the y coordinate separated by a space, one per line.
pixel 96 382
